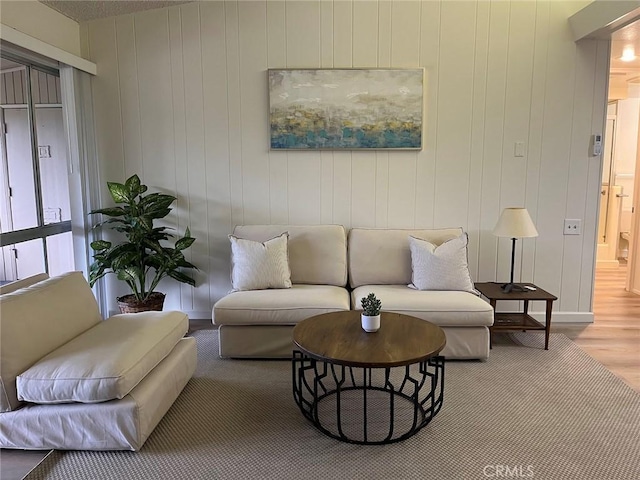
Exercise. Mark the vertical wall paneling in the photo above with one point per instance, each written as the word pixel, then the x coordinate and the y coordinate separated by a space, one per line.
pixel 382 158
pixel 426 159
pixel 51 89
pixel 107 122
pixel 216 134
pixel 19 87
pixel 477 134
pixel 156 111
pixel 277 58
pixel 10 96
pixel 363 164
pixel 192 54
pixel 594 181
pixel 253 66
pixel 156 126
pixel 516 120
pixel 303 168
pixel 181 98
pixel 42 86
pixel 181 166
pixel 129 96
pixel 326 157
pixel 576 195
pixel 457 44
pixel 554 165
pixel 343 191
pixel 234 106
pixel 493 138
pixel 536 122
pixel 405 52
pixel 3 89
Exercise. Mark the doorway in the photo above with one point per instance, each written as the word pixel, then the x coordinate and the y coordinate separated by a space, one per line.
pixel 620 183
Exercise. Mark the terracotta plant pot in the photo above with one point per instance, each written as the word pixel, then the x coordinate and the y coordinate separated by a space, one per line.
pixel 129 304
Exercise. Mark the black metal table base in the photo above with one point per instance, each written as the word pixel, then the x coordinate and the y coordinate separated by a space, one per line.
pixel 368 405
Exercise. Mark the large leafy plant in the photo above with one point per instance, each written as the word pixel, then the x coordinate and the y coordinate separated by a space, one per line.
pixel 142 260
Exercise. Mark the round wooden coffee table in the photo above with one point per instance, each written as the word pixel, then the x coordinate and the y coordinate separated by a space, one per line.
pixel 368 388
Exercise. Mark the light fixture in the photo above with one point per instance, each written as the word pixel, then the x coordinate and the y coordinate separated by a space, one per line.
pixel 628 54
pixel 514 223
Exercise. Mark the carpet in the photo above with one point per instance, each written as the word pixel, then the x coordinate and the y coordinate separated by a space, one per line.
pixel 524 413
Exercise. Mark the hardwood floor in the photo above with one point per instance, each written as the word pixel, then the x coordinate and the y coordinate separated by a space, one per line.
pixel 614 337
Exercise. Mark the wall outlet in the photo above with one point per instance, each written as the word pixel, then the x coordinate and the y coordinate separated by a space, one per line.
pixel 572 226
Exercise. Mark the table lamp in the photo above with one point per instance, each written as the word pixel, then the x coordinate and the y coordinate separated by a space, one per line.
pixel 514 223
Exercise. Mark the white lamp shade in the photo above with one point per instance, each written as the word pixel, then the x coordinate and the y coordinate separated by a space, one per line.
pixel 515 223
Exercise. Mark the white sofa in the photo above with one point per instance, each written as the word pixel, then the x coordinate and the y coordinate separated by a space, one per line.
pixel 71 381
pixel 380 262
pixel 259 323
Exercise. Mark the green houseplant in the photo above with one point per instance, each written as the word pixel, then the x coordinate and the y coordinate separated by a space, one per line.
pixel 370 317
pixel 141 260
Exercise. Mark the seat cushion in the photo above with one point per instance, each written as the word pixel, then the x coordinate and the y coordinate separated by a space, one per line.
pixel 38 319
pixel 279 307
pixel 448 308
pixel 105 362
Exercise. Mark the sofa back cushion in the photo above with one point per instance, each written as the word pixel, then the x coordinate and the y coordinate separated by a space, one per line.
pixel 382 256
pixel 317 253
pixel 38 319
pixel 25 282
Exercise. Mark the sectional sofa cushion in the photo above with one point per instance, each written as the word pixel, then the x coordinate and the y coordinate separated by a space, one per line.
pixel 317 253
pixel 442 267
pixel 382 257
pixel 279 307
pixel 259 265
pixel 106 362
pixel 38 319
pixel 445 309
pixel 25 282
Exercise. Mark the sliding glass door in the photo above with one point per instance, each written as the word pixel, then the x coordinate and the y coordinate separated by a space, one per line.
pixel 35 213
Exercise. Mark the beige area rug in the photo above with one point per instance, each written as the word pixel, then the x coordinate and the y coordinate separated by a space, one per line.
pixel 525 413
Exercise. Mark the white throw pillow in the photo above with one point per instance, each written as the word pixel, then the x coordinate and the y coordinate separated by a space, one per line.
pixel 258 265
pixel 443 267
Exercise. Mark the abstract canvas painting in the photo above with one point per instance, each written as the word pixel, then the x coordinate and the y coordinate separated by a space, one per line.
pixel 346 108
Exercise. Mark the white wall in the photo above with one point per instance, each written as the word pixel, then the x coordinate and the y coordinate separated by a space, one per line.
pixel 181 99
pixel 41 22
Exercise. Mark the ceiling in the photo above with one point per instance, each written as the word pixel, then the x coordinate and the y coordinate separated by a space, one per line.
pixel 624 42
pixel 82 10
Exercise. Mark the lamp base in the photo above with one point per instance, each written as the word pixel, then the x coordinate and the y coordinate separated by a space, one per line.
pixel 512 287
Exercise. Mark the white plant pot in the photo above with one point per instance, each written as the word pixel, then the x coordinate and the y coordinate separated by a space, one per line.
pixel 370 324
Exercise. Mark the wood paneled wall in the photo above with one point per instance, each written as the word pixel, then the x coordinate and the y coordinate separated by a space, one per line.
pixel 181 99
pixel 13 88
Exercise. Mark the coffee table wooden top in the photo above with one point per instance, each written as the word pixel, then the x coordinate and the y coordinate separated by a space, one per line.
pixel 338 338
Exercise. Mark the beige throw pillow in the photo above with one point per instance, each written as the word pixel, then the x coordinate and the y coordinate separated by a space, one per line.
pixel 258 265
pixel 443 267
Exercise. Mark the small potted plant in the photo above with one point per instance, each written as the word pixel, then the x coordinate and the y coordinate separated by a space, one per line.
pixel 140 261
pixel 370 313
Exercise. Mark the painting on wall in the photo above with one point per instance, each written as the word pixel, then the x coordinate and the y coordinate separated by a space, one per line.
pixel 347 109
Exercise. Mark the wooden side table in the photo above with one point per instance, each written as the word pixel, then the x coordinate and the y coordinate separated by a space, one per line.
pixel 519 320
